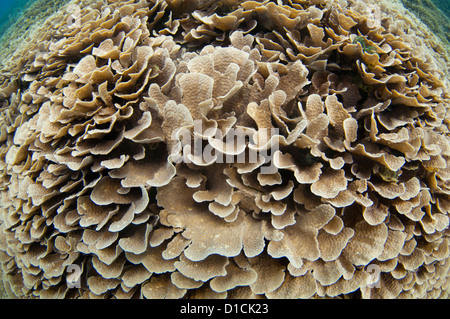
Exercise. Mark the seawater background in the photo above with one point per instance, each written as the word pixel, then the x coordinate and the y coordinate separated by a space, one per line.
pixel 444 5
pixel 435 14
pixel 10 10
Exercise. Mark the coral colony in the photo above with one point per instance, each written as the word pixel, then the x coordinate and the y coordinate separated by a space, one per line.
pixel 231 149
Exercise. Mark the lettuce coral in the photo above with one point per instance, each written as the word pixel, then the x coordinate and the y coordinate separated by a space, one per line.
pixel 118 158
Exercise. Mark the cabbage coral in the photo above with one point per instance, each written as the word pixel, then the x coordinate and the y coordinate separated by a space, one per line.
pixel 102 164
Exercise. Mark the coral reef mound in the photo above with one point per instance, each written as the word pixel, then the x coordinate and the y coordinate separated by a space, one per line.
pixel 225 149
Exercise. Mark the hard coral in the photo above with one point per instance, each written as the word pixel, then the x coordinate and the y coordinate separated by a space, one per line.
pixel 118 157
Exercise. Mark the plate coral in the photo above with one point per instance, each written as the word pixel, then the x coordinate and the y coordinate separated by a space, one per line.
pixel 119 179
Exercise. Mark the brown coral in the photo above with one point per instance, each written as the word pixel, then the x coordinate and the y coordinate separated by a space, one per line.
pixel 224 149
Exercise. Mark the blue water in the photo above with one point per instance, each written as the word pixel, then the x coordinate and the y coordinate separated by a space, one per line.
pixel 9 9
pixel 444 5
